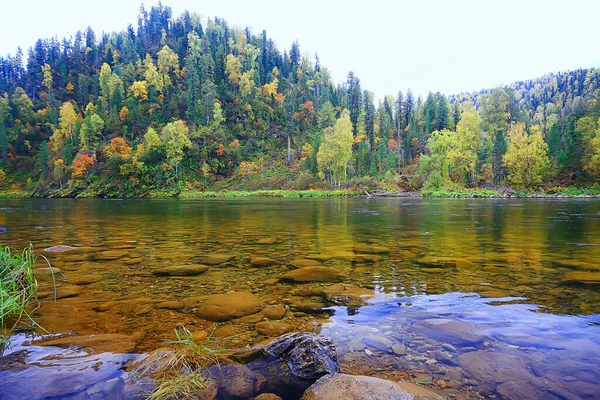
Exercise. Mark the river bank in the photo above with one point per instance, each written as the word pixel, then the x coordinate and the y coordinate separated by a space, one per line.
pixel 562 193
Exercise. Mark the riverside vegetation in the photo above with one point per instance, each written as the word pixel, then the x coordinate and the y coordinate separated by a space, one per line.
pixel 177 106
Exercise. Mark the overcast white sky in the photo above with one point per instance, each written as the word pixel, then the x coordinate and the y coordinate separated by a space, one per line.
pixel 446 45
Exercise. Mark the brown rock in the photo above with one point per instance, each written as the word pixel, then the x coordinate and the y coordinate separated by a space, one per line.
pixel 133 261
pixel 216 259
pixel 274 328
pixel 257 261
pixel 182 270
pixel 274 312
pixel 226 306
pixel 113 343
pixel 249 319
pixel 357 387
pixel 434 261
pixel 304 263
pixel 269 240
pixel 171 305
pixel 347 294
pixel 110 255
pixel 370 248
pixel 47 271
pixel 86 279
pixel 313 274
pixel 267 396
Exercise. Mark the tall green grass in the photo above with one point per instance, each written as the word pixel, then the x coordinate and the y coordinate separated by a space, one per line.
pixel 18 291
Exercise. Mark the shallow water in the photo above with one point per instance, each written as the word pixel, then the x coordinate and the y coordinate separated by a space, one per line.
pixel 461 286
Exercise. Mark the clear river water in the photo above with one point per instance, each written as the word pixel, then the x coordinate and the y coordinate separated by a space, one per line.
pixel 492 298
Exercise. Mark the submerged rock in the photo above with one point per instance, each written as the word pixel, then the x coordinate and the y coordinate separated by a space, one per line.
pixel 258 261
pixel 215 259
pixel 182 270
pixel 274 312
pixel 451 331
pixel 304 263
pixel 274 328
pixel 109 342
pixel 227 306
pixel 347 294
pixel 61 248
pixel 358 387
pixel 269 240
pixel 235 381
pixel 85 280
pixel 313 274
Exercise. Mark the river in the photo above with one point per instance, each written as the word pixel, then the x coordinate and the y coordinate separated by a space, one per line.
pixel 497 298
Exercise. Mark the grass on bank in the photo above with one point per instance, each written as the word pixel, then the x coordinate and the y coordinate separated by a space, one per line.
pixel 18 291
pixel 184 375
pixel 271 193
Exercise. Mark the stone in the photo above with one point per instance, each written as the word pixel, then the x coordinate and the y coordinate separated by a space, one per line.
pixel 306 305
pixel 257 261
pixel 434 261
pixel 144 309
pixel 61 248
pixel 267 396
pixel 358 387
pixel 347 294
pixel 511 376
pixel 249 319
pixel 65 292
pixel 457 333
pixel 585 277
pixel 274 312
pixel 356 344
pixel 301 263
pixel 110 255
pixel 370 248
pixel 171 305
pixel 269 240
pixel 366 258
pixel 399 349
pixel 274 328
pixel 86 279
pixel 108 342
pixel 44 271
pixel 234 381
pixel 378 342
pixel 227 306
pixel 182 270
pixel 215 259
pixel 227 331
pixel 294 361
pixel 133 261
pixel 313 274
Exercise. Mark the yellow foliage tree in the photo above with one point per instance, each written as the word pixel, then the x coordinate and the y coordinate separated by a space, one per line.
pixel 526 157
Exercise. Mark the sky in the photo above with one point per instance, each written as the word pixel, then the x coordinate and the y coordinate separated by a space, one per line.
pixel 451 46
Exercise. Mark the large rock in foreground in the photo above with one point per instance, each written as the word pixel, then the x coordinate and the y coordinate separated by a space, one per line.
pixel 294 361
pixel 313 274
pixel 357 387
pixel 227 306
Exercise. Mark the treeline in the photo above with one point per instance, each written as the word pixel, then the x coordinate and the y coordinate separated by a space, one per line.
pixel 175 103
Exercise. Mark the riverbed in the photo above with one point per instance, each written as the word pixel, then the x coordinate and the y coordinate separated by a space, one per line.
pixel 493 298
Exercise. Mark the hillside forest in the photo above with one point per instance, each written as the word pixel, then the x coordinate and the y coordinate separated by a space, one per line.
pixel 176 103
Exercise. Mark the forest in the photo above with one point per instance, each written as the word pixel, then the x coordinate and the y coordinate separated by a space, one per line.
pixel 176 104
